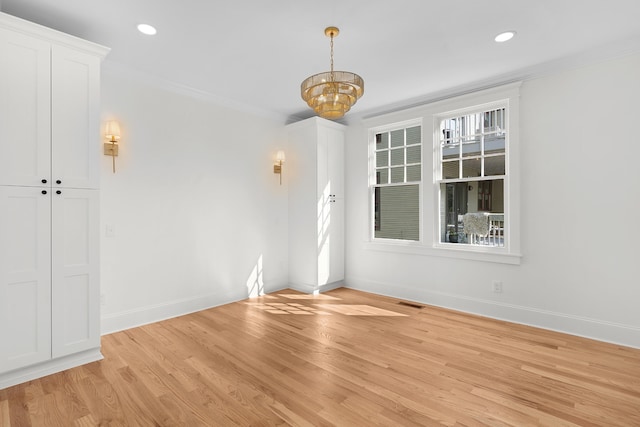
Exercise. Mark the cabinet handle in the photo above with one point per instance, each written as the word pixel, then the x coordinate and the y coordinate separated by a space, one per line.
pixel 44 191
pixel 58 182
pixel 44 181
pixel 58 192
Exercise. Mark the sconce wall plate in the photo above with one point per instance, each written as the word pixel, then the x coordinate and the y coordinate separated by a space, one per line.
pixel 112 133
pixel 110 149
pixel 277 168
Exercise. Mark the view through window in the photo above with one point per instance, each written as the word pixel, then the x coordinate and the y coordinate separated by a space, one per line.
pixel 472 175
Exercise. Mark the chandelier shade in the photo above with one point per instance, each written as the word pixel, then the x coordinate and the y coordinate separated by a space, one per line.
pixel 332 93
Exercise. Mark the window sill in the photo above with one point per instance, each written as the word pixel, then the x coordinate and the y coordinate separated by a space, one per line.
pixel 446 250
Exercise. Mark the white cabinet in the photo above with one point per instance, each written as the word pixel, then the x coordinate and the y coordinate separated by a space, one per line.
pixel 49 216
pixel 315 164
pixel 49 105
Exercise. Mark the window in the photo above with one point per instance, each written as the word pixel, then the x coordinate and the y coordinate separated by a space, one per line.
pixel 396 181
pixel 471 207
pixel 471 175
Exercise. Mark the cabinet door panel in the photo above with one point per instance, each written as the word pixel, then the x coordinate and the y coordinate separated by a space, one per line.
pixel 75 286
pixel 335 162
pixel 75 105
pixel 330 176
pixel 336 242
pixel 25 118
pixel 335 173
pixel 25 277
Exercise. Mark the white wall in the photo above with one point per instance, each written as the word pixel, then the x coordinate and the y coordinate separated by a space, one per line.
pixel 580 271
pixel 198 216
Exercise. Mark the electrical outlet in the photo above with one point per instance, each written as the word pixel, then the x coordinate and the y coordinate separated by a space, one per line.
pixel 497 286
pixel 103 300
pixel 109 231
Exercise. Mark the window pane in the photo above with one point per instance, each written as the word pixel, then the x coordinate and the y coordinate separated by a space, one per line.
pixel 451 151
pixel 413 173
pixel 494 144
pixel 494 120
pixel 474 122
pixel 413 135
pixel 471 168
pixel 397 157
pixel 450 170
pixel 471 149
pixel 397 138
pixel 382 158
pixel 397 175
pixel 494 166
pixel 447 135
pixel 473 213
pixel 382 176
pixel 382 141
pixel 397 214
pixel 414 154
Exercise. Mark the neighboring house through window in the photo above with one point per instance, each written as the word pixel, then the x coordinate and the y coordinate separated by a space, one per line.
pixel 471 174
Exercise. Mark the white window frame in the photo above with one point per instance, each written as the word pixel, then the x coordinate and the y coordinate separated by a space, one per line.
pixel 430 114
pixel 372 178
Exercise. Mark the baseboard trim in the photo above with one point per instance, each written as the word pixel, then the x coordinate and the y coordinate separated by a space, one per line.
pixel 140 316
pixel 43 369
pixel 611 332
pixel 312 289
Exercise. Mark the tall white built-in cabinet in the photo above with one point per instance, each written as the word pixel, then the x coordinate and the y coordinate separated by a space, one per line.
pixel 49 181
pixel 315 168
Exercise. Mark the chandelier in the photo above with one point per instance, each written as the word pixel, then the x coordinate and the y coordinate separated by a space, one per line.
pixel 331 94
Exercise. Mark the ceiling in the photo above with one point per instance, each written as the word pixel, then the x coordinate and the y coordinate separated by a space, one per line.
pixel 254 54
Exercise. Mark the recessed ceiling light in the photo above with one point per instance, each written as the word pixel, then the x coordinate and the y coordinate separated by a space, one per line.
pixel 503 37
pixel 147 29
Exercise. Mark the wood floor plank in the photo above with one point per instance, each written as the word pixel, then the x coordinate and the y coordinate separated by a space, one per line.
pixel 344 358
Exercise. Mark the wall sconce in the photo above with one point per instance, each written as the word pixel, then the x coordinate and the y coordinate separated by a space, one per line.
pixel 112 133
pixel 277 168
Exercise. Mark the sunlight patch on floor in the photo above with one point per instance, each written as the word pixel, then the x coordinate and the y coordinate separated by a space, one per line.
pixel 309 296
pixel 323 309
pixel 287 308
pixel 359 310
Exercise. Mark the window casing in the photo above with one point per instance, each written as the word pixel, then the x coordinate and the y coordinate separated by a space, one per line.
pixel 395 182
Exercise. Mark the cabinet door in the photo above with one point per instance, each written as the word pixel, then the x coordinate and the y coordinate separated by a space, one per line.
pixel 336 175
pixel 331 205
pixel 25 110
pixel 75 105
pixel 75 282
pixel 25 277
pixel 303 206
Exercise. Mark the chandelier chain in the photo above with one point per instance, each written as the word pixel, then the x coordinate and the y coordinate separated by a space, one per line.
pixel 332 78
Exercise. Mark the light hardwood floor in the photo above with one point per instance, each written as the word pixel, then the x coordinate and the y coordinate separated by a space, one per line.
pixel 345 358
